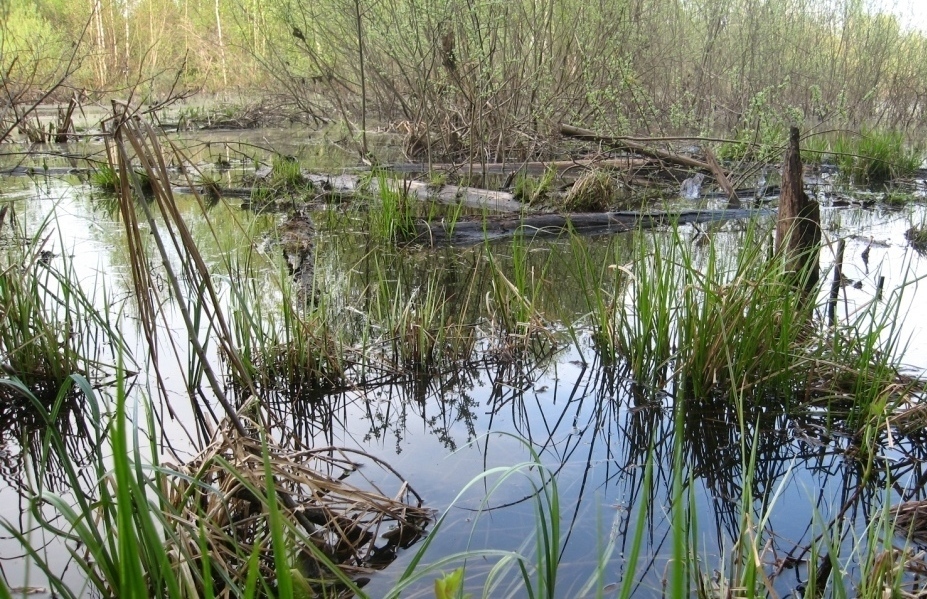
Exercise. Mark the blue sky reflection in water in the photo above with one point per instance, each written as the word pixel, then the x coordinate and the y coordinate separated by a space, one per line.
pixel 592 428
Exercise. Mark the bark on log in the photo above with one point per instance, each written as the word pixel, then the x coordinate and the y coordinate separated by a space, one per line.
pixel 472 231
pixel 798 230
pixel 473 197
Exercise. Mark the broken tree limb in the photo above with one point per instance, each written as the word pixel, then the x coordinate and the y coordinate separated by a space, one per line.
pixel 732 200
pixel 711 166
pixel 633 146
pixel 798 230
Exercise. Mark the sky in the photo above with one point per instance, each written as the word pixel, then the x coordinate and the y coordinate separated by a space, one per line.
pixel 911 12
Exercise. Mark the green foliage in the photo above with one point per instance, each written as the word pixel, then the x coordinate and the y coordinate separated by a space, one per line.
pixel 872 156
pixel 533 190
pixel 392 219
pixel 107 178
pixel 450 586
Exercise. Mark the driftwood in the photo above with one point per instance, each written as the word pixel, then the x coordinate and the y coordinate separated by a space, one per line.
pixel 798 230
pixel 471 231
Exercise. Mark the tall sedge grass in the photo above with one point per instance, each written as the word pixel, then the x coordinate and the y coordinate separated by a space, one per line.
pixel 392 218
pixel 125 536
pixel 731 321
pixel 286 339
pixel 423 331
pixel 50 325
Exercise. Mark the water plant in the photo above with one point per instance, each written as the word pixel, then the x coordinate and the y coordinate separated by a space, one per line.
pixel 532 190
pixel 392 218
pixel 106 177
pixel 595 190
pixel 875 156
pixel 50 325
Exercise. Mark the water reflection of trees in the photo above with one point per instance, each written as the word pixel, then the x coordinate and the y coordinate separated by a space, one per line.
pixel 598 430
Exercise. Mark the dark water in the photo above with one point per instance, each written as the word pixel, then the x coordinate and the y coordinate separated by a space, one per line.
pixel 591 427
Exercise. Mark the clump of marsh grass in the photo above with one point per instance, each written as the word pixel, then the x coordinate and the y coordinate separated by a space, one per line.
pixel 512 303
pixel 424 332
pixel 106 177
pixel 532 190
pixel 50 327
pixel 719 321
pixel 286 340
pixel 876 155
pixel 285 178
pixel 917 238
pixel 596 190
pixel 392 217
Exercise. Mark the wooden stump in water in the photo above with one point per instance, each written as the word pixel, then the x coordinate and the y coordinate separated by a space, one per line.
pixel 798 231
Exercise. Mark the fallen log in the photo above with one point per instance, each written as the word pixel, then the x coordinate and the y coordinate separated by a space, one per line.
pixel 473 197
pixel 476 230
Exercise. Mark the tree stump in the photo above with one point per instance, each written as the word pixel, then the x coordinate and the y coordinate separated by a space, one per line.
pixel 798 230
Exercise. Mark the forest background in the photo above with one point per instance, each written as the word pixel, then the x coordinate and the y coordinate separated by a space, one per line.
pixel 490 77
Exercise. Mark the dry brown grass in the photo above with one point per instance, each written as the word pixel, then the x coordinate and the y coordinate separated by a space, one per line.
pixel 219 504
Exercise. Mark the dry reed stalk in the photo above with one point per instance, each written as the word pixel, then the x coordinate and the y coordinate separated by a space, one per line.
pixel 222 493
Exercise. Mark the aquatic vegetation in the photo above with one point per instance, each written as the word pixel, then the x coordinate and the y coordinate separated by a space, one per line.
pixel 875 155
pixel 532 190
pixel 392 218
pixel 285 339
pixel 50 326
pixel 732 322
pixel 106 177
pixel 595 191
pixel 917 237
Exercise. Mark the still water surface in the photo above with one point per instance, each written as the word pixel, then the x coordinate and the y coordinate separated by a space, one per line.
pixel 590 426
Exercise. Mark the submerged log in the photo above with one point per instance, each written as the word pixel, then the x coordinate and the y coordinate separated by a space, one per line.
pixel 798 230
pixel 468 232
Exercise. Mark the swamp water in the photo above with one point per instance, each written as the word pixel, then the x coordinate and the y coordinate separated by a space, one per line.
pixel 441 425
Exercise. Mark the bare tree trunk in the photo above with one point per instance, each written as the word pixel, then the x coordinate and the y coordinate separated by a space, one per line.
pixel 225 79
pixel 363 79
pixel 798 230
pixel 100 60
